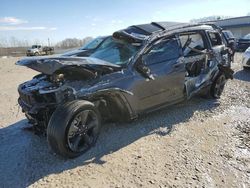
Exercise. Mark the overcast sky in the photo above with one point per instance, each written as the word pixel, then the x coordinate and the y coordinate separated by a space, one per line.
pixel 59 19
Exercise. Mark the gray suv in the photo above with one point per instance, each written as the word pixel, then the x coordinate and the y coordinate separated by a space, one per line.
pixel 141 68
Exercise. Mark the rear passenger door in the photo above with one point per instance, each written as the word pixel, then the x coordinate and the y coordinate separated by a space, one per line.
pixel 194 48
pixel 219 49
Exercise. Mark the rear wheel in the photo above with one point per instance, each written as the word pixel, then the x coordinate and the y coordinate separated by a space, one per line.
pixel 246 68
pixel 73 128
pixel 218 86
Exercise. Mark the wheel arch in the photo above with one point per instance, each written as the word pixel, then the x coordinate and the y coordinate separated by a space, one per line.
pixel 113 104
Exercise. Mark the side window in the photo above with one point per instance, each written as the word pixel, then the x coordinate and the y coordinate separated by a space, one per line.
pixel 163 51
pixel 191 42
pixel 215 38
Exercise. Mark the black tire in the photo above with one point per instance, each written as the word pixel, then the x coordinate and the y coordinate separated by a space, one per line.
pixel 218 86
pixel 68 118
pixel 36 54
pixel 246 68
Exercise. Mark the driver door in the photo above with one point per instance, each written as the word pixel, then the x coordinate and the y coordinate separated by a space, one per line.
pixel 168 70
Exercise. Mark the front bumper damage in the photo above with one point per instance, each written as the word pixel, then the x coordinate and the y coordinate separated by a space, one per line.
pixel 38 114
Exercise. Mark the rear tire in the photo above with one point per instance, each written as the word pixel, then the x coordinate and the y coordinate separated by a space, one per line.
pixel 246 68
pixel 73 128
pixel 218 86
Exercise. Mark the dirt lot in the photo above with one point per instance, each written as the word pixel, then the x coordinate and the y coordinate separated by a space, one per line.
pixel 198 143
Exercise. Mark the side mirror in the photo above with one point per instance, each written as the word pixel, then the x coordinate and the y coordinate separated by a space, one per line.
pixel 143 69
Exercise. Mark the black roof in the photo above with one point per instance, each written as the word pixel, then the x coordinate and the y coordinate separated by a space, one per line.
pixel 148 29
pixel 138 33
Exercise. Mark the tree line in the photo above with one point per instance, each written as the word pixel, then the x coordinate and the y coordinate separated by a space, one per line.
pixel 64 44
pixel 72 42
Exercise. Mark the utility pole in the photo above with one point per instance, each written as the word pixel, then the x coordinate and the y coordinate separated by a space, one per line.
pixel 48 42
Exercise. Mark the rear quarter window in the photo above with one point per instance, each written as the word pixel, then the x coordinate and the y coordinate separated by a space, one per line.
pixel 215 38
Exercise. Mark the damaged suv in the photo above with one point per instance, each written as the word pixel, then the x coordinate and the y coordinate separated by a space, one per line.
pixel 141 68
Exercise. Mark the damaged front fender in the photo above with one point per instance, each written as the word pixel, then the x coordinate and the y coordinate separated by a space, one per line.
pixel 114 104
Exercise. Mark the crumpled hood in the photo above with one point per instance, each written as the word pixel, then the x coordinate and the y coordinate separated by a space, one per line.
pixel 74 52
pixel 49 65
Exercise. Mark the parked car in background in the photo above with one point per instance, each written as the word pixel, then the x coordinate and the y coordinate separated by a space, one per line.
pixel 243 43
pixel 246 59
pixel 140 69
pixel 38 50
pixel 87 49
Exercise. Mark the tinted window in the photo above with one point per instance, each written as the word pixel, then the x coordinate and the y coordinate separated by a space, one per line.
pixel 215 39
pixel 163 51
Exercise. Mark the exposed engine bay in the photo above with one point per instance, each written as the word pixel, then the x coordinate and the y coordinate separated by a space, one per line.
pixel 40 96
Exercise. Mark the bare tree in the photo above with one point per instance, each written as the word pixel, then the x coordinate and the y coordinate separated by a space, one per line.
pixel 72 42
pixel 66 43
pixel 13 41
pixel 3 42
pixel 86 40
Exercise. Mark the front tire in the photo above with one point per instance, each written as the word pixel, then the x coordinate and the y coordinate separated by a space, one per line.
pixel 73 128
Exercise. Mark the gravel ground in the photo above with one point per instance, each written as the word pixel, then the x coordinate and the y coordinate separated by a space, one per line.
pixel 197 143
